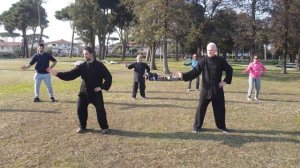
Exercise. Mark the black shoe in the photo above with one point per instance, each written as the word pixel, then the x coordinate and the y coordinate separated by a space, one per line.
pixel 196 131
pixel 52 99
pixel 80 130
pixel 105 131
pixel 36 99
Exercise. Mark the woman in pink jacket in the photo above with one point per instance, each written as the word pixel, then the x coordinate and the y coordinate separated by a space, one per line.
pixel 255 70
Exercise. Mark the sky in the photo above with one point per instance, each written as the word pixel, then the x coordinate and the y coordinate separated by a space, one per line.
pixel 56 30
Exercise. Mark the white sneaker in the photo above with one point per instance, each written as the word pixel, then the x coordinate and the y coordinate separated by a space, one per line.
pixel 249 99
pixel 256 98
pixel 188 90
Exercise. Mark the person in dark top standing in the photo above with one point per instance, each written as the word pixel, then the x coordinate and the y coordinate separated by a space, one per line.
pixel 139 76
pixel 42 63
pixel 92 73
pixel 211 67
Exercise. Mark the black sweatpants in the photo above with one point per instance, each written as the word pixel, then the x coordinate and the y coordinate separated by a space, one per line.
pixel 142 87
pixel 218 105
pixel 82 109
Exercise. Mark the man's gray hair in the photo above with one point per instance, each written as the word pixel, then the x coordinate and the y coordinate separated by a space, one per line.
pixel 212 45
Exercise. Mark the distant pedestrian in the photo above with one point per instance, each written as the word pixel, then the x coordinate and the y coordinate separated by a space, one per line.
pixel 92 73
pixel 140 68
pixel 193 63
pixel 42 63
pixel 255 69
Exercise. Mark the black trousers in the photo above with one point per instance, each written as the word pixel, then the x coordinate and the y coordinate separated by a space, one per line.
pixel 218 105
pixel 82 109
pixel 142 87
pixel 197 83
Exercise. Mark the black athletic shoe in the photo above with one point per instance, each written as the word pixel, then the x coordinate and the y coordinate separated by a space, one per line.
pixel 52 99
pixel 36 99
pixel 105 131
pixel 196 131
pixel 80 130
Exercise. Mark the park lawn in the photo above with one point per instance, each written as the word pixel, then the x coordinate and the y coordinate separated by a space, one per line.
pixel 156 132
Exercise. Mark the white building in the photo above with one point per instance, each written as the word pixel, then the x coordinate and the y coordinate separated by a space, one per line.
pixel 62 48
pixel 9 47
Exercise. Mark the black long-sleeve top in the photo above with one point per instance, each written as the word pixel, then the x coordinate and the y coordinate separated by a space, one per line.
pixel 92 75
pixel 211 69
pixel 139 71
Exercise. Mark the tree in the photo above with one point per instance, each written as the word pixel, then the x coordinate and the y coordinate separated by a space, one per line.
pixel 255 9
pixel 123 19
pixel 201 26
pixel 154 22
pixel 67 14
pixel 284 36
pixel 11 35
pixel 224 25
pixel 21 16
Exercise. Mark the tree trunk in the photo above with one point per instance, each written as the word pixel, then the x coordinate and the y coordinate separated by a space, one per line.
pixel 176 50
pixel 165 57
pixel 148 54
pixel 100 41
pixel 286 29
pixel 32 41
pixel 25 47
pixel 253 12
pixel 124 47
pixel 298 59
pixel 72 41
pixel 103 48
pixel 41 35
pixel 106 47
pixel 152 48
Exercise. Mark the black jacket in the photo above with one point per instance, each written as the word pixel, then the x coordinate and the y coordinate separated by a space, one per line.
pixel 92 75
pixel 211 69
pixel 139 71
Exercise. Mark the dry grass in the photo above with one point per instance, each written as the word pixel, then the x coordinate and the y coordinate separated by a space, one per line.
pixel 148 133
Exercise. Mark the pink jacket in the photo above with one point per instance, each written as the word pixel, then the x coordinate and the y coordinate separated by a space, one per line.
pixel 256 69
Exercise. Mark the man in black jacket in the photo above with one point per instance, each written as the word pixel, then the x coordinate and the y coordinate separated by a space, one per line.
pixel 211 67
pixel 92 73
pixel 139 76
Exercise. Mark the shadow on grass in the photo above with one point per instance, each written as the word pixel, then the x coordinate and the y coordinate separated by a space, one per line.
pixel 264 93
pixel 140 105
pixel 129 91
pixel 261 101
pixel 27 110
pixel 134 104
pixel 236 138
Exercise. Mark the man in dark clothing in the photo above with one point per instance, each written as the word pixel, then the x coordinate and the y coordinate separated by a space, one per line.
pixel 42 63
pixel 211 68
pixel 139 76
pixel 92 73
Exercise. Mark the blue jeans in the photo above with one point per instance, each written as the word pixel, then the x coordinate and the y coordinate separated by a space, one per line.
pixel 256 82
pixel 37 83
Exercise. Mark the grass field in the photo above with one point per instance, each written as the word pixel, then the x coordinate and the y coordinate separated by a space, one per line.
pixel 156 132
